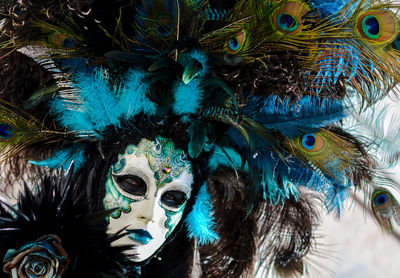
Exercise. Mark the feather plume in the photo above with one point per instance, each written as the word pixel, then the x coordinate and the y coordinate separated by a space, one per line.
pixel 19 130
pixel 200 221
pixel 294 118
pixel 361 50
pixel 93 105
pixel 325 151
pixel 160 23
pixel 377 127
pixel 63 158
pixel 385 208
pixel 132 96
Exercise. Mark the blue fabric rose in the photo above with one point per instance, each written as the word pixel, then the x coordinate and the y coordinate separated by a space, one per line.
pixel 44 258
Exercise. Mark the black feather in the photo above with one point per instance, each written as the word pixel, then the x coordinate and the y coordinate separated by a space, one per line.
pixel 62 207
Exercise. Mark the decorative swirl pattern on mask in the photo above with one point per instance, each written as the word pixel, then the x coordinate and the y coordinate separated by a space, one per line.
pixel 173 218
pixel 119 165
pixel 114 199
pixel 166 162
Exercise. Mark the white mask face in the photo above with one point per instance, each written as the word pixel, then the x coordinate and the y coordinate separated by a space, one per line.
pixel 149 184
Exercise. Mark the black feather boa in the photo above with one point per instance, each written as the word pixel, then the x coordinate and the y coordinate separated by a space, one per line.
pixel 62 208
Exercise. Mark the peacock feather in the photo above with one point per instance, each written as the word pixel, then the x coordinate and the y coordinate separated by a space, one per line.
pixel 385 208
pixel 325 151
pixel 360 51
pixel 159 24
pixel 19 130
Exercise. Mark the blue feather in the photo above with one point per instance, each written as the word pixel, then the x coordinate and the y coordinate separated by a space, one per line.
pixel 132 96
pixel 219 158
pixel 63 158
pixel 98 106
pixel 216 14
pixel 335 193
pixel 188 97
pixel 70 115
pixel 292 174
pixel 271 168
pixel 200 222
pixel 97 99
pixel 327 8
pixel 342 60
pixel 199 56
pixel 307 114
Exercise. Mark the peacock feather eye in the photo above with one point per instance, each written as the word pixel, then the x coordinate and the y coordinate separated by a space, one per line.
pixel 312 142
pixel 287 23
pixel 65 41
pixel 236 43
pixel 377 27
pixel 7 131
pixel 380 199
pixel 288 19
pixel 164 27
pixel 371 27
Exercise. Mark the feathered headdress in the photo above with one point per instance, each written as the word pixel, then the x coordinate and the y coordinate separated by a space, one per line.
pixel 259 86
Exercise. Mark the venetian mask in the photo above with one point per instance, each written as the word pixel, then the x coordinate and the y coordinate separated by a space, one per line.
pixel 149 185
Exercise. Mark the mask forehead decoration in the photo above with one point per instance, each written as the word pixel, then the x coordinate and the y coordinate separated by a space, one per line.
pixel 166 161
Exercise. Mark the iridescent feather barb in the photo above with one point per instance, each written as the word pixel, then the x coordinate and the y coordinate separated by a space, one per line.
pixel 19 130
pixel 355 45
pixel 62 37
pixel 364 50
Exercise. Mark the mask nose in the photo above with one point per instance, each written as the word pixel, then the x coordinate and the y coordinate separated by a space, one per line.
pixel 145 211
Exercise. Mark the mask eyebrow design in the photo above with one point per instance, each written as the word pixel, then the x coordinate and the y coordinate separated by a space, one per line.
pixel 134 170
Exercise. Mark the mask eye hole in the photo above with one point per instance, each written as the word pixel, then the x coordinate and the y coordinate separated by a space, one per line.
pixel 132 184
pixel 173 198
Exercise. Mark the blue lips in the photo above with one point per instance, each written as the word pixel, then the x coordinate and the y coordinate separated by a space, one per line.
pixel 141 236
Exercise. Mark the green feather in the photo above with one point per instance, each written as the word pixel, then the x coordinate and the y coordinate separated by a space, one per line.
pixel 385 208
pixel 325 150
pixel 19 130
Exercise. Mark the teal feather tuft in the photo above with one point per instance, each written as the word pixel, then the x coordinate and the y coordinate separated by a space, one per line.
pixel 132 96
pixel 63 158
pixel 200 221
pixel 220 158
pixel 188 97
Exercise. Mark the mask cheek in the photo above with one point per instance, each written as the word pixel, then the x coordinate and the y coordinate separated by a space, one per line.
pixel 172 219
pixel 114 200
